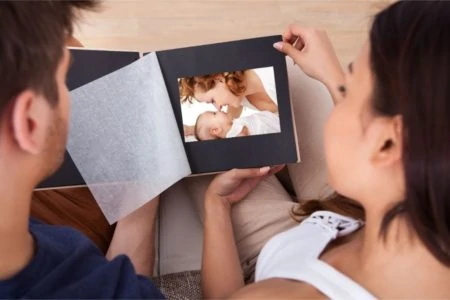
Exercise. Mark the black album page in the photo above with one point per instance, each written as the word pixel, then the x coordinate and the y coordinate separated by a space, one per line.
pixel 232 104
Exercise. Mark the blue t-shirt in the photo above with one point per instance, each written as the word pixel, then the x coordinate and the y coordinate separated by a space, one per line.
pixel 68 265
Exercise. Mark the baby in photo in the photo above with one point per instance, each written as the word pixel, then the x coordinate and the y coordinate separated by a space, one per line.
pixel 219 125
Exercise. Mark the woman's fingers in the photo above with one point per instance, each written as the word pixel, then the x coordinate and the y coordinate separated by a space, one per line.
pixel 299 44
pixel 296 36
pixel 235 184
pixel 256 172
pixel 276 169
pixel 249 173
pixel 313 52
pixel 293 32
pixel 294 40
pixel 289 50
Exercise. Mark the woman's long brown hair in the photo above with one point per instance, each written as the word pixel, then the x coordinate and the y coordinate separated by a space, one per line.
pixel 335 203
pixel 234 80
pixel 410 60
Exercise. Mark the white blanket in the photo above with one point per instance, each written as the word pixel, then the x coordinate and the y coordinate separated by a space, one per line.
pixel 263 122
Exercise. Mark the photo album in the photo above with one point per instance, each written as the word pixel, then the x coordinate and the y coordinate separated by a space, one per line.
pixel 140 122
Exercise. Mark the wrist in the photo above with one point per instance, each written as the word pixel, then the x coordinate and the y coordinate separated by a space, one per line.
pixel 216 204
pixel 335 77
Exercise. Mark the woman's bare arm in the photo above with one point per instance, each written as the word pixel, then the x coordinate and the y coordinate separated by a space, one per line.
pixel 262 102
pixel 222 274
pixel 257 95
pixel 221 269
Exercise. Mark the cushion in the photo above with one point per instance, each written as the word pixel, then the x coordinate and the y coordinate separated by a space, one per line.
pixel 312 104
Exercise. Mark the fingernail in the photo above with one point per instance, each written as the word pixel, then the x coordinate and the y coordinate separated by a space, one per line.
pixel 278 45
pixel 264 169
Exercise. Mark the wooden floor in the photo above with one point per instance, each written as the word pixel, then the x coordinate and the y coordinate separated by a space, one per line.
pixel 148 25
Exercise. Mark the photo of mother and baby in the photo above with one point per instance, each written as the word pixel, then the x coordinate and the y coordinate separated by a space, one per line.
pixel 229 104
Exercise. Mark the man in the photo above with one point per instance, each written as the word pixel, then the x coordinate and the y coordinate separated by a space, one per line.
pixel 37 260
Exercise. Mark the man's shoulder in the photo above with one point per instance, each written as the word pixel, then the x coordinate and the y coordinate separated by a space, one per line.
pixel 61 242
pixel 57 233
pixel 68 265
pixel 54 234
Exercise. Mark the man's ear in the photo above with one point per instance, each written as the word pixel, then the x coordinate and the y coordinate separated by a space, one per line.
pixel 30 120
pixel 388 147
pixel 215 131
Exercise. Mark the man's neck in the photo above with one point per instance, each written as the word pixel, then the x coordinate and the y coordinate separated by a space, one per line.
pixel 16 242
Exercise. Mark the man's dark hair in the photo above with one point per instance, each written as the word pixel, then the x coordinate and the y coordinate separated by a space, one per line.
pixel 32 36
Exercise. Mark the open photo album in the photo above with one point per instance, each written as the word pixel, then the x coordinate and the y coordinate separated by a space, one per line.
pixel 140 122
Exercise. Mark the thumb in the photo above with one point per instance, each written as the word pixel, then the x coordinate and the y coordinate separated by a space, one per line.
pixel 289 50
pixel 250 173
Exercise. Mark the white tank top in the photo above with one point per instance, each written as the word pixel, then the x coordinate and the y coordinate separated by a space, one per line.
pixel 294 254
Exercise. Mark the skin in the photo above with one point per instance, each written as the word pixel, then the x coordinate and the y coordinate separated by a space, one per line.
pixel 359 167
pixel 33 137
pixel 221 95
pixel 212 125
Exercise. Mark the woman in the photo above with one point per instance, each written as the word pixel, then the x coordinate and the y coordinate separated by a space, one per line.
pixel 387 146
pixel 232 89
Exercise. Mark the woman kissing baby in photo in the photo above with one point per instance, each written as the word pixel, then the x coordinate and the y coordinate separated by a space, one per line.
pixel 218 125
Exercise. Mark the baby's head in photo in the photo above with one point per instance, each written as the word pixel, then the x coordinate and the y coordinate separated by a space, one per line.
pixel 212 125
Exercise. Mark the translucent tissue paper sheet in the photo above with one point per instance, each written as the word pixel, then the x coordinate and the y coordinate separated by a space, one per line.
pixel 124 138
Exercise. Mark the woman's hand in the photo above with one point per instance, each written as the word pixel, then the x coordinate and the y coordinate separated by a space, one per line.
pixel 221 268
pixel 232 186
pixel 312 50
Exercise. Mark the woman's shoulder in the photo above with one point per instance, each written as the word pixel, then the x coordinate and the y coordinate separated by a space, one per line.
pixel 277 288
pixel 296 243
